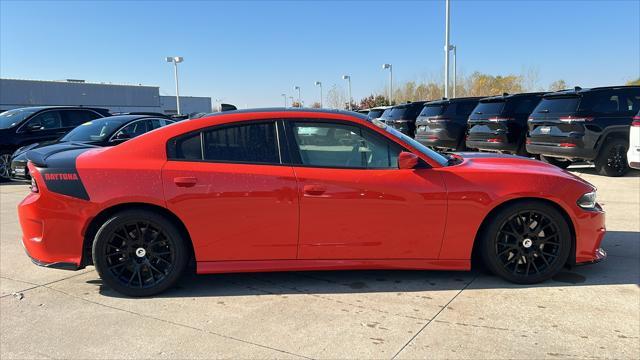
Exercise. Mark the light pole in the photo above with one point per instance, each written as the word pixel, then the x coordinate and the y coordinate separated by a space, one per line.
pixel 299 100
pixel 388 66
pixel 446 50
pixel 318 83
pixel 285 100
pixel 175 60
pixel 453 47
pixel 348 78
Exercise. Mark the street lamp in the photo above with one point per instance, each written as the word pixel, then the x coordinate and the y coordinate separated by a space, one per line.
pixel 175 60
pixel 453 47
pixel 318 83
pixel 348 78
pixel 285 100
pixel 299 100
pixel 446 50
pixel 388 66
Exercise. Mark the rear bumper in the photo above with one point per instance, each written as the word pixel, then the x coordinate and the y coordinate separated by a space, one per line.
pixel 430 140
pixel 576 152
pixel 52 229
pixel 633 156
pixel 492 146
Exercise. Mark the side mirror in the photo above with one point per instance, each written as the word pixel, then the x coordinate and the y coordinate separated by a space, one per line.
pixel 407 160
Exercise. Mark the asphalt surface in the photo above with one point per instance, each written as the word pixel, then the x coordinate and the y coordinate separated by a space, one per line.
pixel 586 312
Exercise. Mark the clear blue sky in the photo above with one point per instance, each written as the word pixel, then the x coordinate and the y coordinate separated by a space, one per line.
pixel 248 53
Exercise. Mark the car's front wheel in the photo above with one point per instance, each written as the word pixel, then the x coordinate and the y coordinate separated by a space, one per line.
pixel 139 253
pixel 526 242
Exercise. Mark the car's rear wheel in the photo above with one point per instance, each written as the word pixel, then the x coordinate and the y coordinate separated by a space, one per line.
pixel 563 164
pixel 139 253
pixel 5 166
pixel 612 159
pixel 526 242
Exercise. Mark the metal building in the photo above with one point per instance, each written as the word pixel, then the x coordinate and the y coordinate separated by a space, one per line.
pixel 117 98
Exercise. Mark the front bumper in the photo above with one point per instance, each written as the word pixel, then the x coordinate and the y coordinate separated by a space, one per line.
pixel 590 230
pixel 19 171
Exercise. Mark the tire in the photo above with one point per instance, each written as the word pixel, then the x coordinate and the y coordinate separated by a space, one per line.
pixel 127 269
pixel 520 255
pixel 562 164
pixel 5 166
pixel 612 159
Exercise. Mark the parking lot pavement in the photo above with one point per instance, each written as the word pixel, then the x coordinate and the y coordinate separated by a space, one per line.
pixel 586 312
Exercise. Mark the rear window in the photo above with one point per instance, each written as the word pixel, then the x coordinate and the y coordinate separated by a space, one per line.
pixel 373 114
pixel 489 108
pixel 433 110
pixel 398 113
pixel 556 105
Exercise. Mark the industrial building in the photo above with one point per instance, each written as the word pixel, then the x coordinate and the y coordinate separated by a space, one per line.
pixel 117 98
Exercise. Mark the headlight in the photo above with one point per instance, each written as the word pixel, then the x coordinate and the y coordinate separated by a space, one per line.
pixel 588 200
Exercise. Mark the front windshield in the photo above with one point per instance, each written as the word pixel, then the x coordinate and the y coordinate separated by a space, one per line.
pixel 96 130
pixel 413 143
pixel 14 117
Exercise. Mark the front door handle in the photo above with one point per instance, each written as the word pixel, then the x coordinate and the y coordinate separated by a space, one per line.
pixel 314 190
pixel 186 181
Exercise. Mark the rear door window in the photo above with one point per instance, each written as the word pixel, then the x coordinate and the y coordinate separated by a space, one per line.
pixel 251 143
pixel 73 118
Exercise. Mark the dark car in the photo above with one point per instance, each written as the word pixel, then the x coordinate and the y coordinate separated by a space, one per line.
pixel 108 131
pixel 403 117
pixel 585 124
pixel 443 123
pixel 499 123
pixel 376 112
pixel 24 126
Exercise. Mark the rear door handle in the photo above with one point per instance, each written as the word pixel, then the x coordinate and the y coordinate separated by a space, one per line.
pixel 186 181
pixel 314 190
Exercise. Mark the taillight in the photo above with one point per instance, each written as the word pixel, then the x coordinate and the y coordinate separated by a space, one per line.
pixel 567 145
pixel 34 185
pixel 571 119
pixel 636 121
pixel 498 119
pixel 494 140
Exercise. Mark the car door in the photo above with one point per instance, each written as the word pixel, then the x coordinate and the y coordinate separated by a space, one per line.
pixel 44 126
pixel 231 188
pixel 354 201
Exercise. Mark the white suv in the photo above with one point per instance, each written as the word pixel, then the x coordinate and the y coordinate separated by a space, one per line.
pixel 633 155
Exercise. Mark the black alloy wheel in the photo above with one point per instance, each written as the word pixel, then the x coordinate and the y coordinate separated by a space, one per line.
pixel 139 253
pixel 612 160
pixel 528 242
pixel 5 166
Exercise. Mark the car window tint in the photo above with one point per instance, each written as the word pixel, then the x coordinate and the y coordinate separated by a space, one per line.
pixel 525 106
pixel 252 143
pixel 73 118
pixel 343 146
pixel 47 120
pixel 465 108
pixel 136 128
pixel 186 147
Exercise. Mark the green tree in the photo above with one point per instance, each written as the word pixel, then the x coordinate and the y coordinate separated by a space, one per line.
pixel 634 82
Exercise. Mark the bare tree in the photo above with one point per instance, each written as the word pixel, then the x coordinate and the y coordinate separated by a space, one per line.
pixel 558 85
pixel 336 99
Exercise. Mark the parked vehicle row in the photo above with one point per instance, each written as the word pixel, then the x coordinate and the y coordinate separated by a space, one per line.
pixel 558 127
pixel 26 128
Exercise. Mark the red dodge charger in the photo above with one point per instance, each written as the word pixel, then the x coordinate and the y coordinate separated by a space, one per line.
pixel 290 189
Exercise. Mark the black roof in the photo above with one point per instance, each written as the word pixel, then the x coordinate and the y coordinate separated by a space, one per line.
pixel 578 90
pixel 458 99
pixel 39 108
pixel 123 119
pixel 511 96
pixel 282 109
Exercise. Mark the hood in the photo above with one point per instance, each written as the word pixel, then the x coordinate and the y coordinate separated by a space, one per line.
pixel 22 151
pixel 513 164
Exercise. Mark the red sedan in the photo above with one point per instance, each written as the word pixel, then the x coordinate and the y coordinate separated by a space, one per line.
pixel 279 190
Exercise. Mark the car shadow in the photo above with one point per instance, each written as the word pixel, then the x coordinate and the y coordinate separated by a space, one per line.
pixel 591 170
pixel 621 268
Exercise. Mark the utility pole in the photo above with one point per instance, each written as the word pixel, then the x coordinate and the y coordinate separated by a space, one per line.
pixel 446 50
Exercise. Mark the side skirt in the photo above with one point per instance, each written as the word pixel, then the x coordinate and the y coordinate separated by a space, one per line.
pixel 216 267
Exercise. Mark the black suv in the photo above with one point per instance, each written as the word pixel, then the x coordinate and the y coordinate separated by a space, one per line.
pixel 24 126
pixel 442 123
pixel 403 117
pixel 585 124
pixel 499 123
